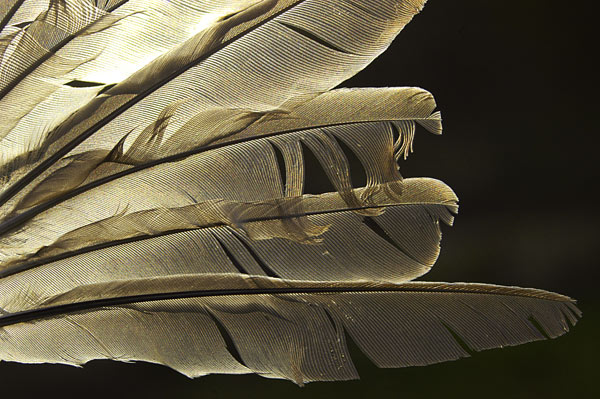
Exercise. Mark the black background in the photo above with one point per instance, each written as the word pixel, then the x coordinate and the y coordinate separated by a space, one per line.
pixel 515 83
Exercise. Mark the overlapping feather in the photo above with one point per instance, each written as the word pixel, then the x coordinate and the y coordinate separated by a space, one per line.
pixel 153 160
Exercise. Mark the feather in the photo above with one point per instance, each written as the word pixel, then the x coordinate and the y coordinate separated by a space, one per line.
pixel 258 139
pixel 73 50
pixel 280 329
pixel 156 167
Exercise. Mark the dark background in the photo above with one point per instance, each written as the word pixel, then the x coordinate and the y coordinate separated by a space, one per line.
pixel 514 82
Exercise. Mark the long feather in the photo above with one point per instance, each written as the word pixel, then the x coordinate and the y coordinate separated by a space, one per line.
pixel 309 238
pixel 239 135
pixel 73 50
pixel 279 329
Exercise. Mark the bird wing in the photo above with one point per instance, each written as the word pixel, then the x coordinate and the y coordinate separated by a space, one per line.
pixel 180 183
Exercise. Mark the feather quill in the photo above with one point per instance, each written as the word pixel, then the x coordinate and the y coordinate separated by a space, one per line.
pixel 154 188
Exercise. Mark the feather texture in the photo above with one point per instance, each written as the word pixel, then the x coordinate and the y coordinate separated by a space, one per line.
pixel 156 167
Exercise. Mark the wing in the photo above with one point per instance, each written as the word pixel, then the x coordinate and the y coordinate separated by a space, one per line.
pixel 163 169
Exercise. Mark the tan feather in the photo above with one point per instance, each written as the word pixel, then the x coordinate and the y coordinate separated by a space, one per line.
pixel 280 329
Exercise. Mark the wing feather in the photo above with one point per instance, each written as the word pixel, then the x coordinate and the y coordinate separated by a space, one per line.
pixel 313 238
pixel 71 52
pixel 280 329
pixel 240 167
